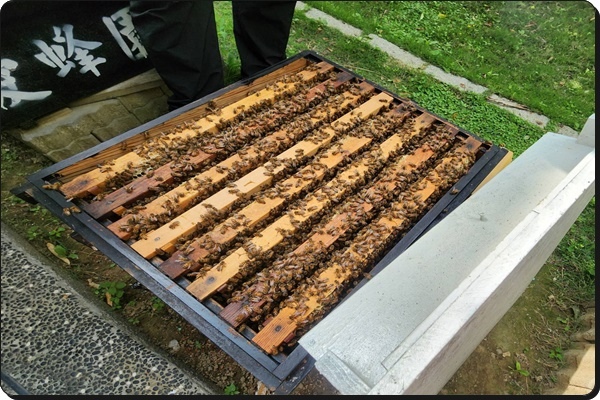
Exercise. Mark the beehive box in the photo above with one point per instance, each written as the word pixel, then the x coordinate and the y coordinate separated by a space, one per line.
pixel 254 211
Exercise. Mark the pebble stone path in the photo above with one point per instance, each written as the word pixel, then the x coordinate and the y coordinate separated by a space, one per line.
pixel 56 342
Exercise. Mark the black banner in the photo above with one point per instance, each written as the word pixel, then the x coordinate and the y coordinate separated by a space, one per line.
pixel 55 52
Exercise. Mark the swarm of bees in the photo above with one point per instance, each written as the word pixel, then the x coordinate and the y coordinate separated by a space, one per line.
pixel 324 207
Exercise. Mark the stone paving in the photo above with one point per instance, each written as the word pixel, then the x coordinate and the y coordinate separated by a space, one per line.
pixel 583 381
pixel 54 341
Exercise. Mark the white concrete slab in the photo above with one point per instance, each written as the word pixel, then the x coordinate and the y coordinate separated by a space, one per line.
pixel 520 110
pixel 587 136
pixel 456 81
pixel 381 333
pixel 402 56
pixel 472 310
pixel 343 27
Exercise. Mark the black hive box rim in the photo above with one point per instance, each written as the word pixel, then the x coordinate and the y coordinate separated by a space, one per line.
pixel 281 373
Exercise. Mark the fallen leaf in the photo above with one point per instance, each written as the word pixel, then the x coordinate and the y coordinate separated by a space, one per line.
pixel 108 299
pixel 262 389
pixel 53 251
pixel 93 284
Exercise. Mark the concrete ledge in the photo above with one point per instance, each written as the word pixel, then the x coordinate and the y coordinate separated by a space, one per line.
pixel 585 376
pixel 402 56
pixel 97 118
pixel 456 81
pixel 437 301
pixel 147 80
pixel 346 29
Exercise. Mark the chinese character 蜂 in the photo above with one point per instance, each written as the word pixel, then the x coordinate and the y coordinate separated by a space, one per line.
pixel 67 50
pixel 11 95
pixel 135 50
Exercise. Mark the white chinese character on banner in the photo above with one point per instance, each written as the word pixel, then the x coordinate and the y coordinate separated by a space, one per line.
pixel 11 95
pixel 61 55
pixel 134 50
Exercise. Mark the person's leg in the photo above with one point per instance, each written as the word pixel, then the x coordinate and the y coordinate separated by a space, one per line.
pixel 261 31
pixel 182 43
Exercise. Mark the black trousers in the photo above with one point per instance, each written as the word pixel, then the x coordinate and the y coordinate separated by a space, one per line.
pixel 182 43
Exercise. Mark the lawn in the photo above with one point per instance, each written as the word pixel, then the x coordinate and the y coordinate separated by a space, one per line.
pixel 540 54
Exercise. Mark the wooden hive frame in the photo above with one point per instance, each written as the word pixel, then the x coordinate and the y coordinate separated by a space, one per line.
pixel 287 188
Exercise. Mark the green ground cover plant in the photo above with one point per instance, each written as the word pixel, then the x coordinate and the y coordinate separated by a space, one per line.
pixel 540 54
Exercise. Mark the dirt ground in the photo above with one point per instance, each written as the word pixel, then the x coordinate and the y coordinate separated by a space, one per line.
pixel 516 357
pixel 525 334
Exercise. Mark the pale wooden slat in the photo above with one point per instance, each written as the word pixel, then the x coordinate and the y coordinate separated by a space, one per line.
pixel 352 213
pixel 188 191
pixel 140 187
pixel 272 235
pixel 81 185
pixel 284 323
pixel 257 211
pixel 165 237
pixel 202 184
pixel 89 163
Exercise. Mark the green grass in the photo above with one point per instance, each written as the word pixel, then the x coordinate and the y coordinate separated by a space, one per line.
pixel 575 257
pixel 540 54
pixel 573 262
pixel 576 252
pixel 467 110
pixel 229 54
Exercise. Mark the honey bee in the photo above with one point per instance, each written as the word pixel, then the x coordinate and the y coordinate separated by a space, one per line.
pixel 52 186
